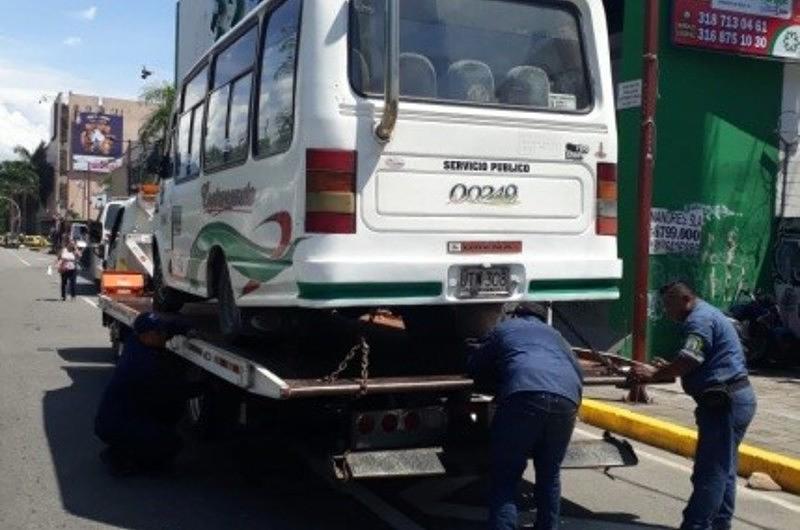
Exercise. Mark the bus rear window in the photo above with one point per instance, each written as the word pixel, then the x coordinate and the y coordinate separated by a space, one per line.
pixel 503 53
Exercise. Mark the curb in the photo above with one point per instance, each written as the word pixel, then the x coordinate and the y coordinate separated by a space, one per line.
pixel 682 441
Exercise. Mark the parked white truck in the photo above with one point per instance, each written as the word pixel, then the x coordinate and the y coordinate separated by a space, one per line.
pixel 374 153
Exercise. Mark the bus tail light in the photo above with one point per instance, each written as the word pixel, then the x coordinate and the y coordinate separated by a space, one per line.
pixel 607 195
pixel 330 191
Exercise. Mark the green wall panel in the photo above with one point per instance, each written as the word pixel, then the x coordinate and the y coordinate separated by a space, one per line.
pixel 716 151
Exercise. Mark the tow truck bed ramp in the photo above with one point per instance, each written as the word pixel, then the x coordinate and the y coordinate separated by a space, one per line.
pixel 262 376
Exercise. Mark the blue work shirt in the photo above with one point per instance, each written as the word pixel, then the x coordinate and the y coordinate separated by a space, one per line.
pixel 526 355
pixel 146 383
pixel 712 341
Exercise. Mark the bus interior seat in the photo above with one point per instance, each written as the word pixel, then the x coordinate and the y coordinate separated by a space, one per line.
pixel 417 76
pixel 525 85
pixel 361 76
pixel 470 80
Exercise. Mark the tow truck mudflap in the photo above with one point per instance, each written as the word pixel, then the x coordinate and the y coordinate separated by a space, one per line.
pixel 608 452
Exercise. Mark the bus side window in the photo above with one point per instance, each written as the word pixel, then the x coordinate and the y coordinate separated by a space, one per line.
pixel 190 127
pixel 228 112
pixel 183 153
pixel 275 121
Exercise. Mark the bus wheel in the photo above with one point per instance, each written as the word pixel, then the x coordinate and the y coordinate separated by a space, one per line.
pixel 232 322
pixel 164 298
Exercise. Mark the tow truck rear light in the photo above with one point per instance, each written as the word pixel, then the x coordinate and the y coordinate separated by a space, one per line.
pixel 330 191
pixel 411 421
pixel 389 423
pixel 607 196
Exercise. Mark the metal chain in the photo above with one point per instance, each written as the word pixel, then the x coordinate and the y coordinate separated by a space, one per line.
pixel 361 347
pixel 355 350
pixel 364 366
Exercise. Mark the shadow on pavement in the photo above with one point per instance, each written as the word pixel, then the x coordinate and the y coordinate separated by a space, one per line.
pixel 85 289
pixel 790 375
pixel 86 355
pixel 459 503
pixel 207 489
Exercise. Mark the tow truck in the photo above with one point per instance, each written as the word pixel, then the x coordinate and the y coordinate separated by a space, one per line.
pixel 352 390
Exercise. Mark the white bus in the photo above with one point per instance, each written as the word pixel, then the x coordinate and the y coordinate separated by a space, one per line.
pixel 378 153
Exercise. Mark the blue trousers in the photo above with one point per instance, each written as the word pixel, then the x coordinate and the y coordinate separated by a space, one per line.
pixel 526 425
pixel 720 431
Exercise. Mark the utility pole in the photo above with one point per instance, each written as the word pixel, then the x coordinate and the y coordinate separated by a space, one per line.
pixel 652 15
pixel 88 194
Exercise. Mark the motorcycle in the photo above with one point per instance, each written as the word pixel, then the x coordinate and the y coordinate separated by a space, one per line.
pixel 766 339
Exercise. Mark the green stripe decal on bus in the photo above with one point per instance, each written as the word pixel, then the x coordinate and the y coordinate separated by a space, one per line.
pixel 575 288
pixel 249 259
pixel 337 291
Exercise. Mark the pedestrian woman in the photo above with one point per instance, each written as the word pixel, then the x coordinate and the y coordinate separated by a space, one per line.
pixel 67 265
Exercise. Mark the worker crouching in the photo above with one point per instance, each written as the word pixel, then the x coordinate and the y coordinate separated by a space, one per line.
pixel 143 402
pixel 538 386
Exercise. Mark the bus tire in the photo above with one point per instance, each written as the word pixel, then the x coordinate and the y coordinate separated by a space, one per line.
pixel 165 298
pixel 232 319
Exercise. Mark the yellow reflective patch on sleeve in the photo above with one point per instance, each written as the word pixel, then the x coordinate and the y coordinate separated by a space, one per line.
pixel 693 347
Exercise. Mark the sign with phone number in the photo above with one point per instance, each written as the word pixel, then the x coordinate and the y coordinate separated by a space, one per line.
pixel 762 28
pixel 676 231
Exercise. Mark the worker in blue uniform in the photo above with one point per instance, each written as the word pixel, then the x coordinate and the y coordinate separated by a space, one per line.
pixel 538 386
pixel 143 402
pixel 711 365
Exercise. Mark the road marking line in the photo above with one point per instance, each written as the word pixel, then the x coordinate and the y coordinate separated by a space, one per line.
pixel 90 302
pixel 22 260
pixel 688 470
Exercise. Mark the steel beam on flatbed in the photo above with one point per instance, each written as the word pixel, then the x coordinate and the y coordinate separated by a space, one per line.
pixel 301 388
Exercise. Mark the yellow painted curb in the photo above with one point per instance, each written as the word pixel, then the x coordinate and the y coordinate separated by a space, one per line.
pixel 683 441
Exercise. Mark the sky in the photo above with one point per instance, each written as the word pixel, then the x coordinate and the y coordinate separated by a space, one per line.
pixel 95 47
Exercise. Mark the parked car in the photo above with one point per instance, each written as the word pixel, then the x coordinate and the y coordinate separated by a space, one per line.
pixel 11 240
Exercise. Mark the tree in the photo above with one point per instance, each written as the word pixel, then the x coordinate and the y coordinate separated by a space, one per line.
pixel 38 161
pixel 156 126
pixel 18 180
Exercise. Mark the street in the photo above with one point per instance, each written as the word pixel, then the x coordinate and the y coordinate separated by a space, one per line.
pixel 55 361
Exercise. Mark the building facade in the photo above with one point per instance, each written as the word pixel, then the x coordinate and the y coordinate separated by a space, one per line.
pixel 91 137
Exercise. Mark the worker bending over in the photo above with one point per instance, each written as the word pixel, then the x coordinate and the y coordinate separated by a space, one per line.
pixel 538 385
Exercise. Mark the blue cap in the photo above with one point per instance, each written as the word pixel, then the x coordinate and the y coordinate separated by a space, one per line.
pixel 147 322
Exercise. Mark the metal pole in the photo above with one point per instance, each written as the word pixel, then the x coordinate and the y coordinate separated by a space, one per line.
pixel 88 196
pixel 645 192
pixel 128 190
pixel 391 72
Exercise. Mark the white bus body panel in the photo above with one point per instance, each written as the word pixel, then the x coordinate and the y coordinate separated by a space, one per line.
pixel 405 223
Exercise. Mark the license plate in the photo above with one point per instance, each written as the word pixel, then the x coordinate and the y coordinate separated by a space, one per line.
pixel 480 282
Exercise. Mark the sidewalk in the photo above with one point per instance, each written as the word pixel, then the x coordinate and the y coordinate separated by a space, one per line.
pixel 776 426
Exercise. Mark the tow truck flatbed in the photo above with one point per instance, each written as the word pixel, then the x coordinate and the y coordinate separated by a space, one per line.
pixel 272 376
pixel 265 375
pixel 279 374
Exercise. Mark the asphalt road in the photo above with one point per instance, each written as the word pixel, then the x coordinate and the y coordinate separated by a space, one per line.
pixel 54 363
